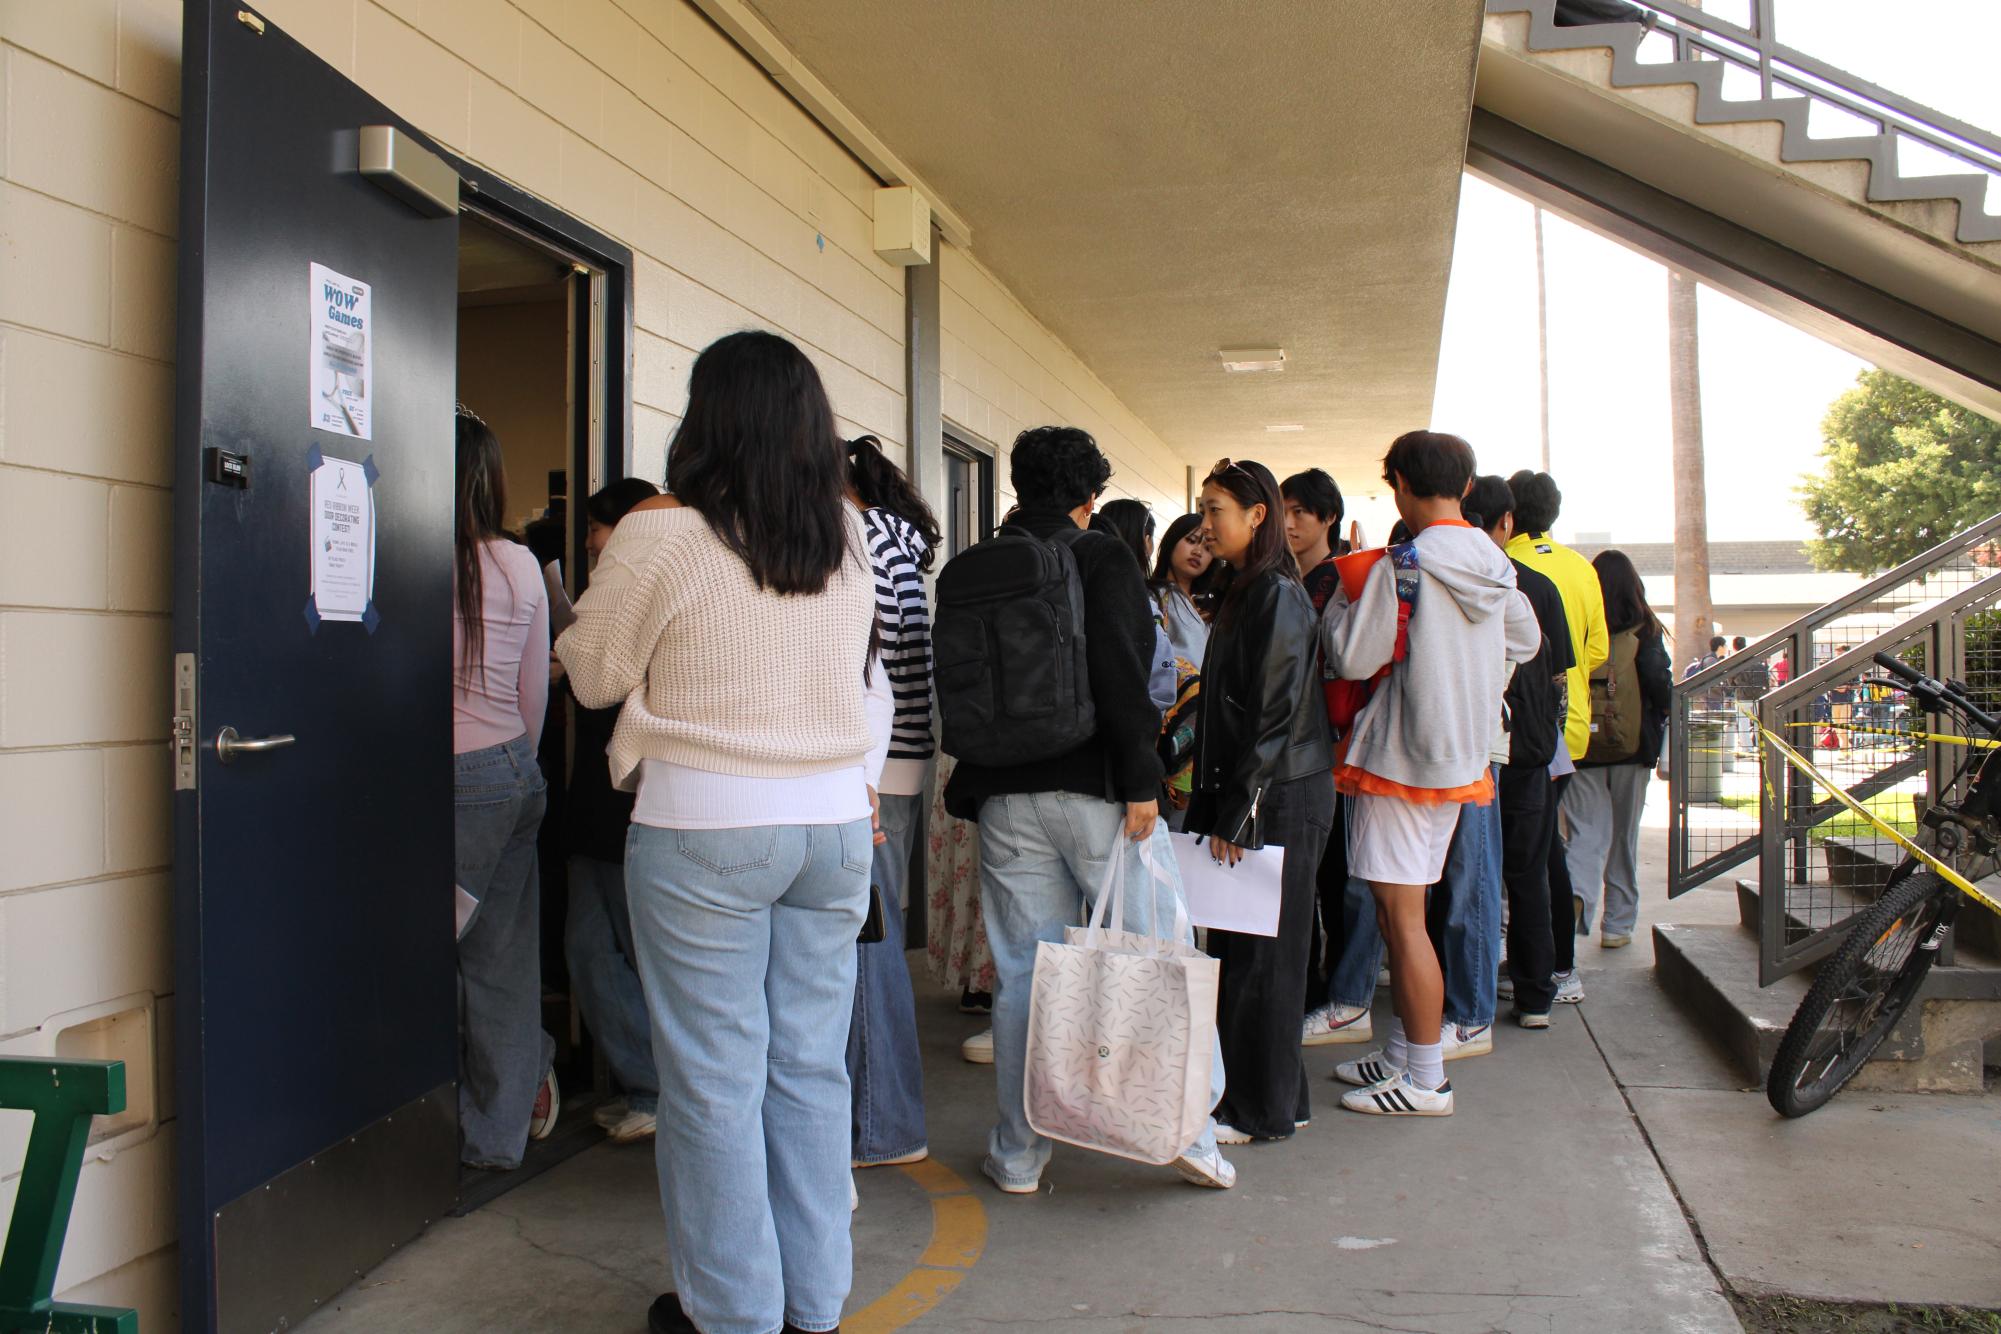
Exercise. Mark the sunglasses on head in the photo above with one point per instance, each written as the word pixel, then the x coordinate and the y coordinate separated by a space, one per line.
pixel 1225 465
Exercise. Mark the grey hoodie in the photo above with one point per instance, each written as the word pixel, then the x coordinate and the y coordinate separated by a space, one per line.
pixel 1431 723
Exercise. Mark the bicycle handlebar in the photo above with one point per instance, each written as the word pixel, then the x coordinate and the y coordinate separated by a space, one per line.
pixel 1935 693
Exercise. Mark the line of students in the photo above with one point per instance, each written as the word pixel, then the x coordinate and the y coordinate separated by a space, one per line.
pixel 758 660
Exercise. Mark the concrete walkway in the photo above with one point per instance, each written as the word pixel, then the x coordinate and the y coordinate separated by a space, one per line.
pixel 1608 1174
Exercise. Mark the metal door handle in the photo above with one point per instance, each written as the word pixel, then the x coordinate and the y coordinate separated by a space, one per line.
pixel 228 745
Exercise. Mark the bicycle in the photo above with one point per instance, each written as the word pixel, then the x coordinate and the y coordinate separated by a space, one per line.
pixel 1869 982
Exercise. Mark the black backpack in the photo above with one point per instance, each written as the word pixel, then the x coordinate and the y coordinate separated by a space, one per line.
pixel 1534 715
pixel 1008 650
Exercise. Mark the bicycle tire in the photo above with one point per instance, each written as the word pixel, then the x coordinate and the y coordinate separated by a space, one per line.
pixel 1877 972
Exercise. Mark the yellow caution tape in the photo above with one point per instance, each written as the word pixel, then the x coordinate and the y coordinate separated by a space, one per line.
pixel 1840 794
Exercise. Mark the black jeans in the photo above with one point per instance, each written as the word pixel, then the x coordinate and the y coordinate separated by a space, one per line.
pixel 1528 828
pixel 1562 911
pixel 1263 990
pixel 1330 932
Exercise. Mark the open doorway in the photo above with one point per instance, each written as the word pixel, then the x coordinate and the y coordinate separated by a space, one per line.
pixel 525 353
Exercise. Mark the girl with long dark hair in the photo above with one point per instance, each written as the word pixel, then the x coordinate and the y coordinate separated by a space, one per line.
pixel 1132 523
pixel 1262 776
pixel 1607 797
pixel 885 1067
pixel 1185 574
pixel 500 643
pixel 733 620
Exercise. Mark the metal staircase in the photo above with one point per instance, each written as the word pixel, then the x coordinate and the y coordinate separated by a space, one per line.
pixel 1692 137
pixel 1708 50
pixel 1733 803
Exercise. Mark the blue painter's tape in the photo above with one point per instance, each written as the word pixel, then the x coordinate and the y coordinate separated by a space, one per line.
pixel 314 459
pixel 370 617
pixel 312 613
pixel 369 470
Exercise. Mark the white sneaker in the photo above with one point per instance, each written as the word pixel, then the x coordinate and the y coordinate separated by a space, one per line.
pixel 854 1195
pixel 914 1156
pixel 1209 1169
pixel 632 1127
pixel 1505 988
pixel 1332 1024
pixel 609 1114
pixel 1397 1096
pixel 1383 977
pixel 979 1048
pixel 1569 988
pixel 1614 941
pixel 548 1106
pixel 1373 1068
pixel 1229 1134
pixel 1532 1018
pixel 1460 1041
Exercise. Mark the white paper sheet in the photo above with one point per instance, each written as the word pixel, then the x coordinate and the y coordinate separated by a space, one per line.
pixel 463 905
pixel 343 536
pixel 341 355
pixel 1242 898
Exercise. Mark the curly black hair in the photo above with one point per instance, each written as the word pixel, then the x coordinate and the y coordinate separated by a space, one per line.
pixel 1057 467
pixel 1537 501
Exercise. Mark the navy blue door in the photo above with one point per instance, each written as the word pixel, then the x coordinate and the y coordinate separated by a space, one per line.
pixel 315 1030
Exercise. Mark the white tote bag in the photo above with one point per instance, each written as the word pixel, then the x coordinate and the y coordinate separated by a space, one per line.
pixel 1122 1030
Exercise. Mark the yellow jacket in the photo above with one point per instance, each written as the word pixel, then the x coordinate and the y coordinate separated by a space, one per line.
pixel 1584 608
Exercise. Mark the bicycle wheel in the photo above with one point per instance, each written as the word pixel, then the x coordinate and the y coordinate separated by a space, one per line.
pixel 1860 992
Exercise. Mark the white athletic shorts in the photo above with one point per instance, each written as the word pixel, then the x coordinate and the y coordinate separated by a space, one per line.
pixel 1396 842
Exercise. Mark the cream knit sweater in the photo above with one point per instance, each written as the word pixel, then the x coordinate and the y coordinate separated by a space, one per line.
pixel 714 672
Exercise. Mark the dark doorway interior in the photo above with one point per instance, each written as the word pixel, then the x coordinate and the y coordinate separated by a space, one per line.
pixel 518 368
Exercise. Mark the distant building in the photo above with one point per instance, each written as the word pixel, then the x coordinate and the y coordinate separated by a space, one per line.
pixel 1756 587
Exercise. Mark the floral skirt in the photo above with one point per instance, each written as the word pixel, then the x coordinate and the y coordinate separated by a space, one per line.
pixel 956 936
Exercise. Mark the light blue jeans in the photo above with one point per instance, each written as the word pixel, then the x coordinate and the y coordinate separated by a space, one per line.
pixel 1468 933
pixel 1360 958
pixel 883 1061
pixel 597 943
pixel 498 798
pixel 1043 857
pixel 746 945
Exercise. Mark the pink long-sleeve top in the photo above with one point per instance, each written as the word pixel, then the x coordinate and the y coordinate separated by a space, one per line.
pixel 509 693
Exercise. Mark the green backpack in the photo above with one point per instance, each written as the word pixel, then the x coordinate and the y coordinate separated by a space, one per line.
pixel 1616 704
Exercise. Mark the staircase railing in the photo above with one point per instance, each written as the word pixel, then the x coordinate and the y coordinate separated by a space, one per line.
pixel 1810 683
pixel 1781 72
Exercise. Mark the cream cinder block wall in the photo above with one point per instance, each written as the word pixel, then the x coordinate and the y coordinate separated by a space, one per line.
pixel 1002 372
pixel 636 115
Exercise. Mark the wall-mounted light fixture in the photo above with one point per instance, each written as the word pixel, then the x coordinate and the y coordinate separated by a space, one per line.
pixel 1240 360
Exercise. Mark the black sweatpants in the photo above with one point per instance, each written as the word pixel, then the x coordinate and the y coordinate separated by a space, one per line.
pixel 1528 829
pixel 1263 988
pixel 1562 911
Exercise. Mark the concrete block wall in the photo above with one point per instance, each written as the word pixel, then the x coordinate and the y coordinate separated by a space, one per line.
pixel 637 115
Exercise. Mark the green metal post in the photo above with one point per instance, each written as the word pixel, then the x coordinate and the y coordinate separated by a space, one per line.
pixel 63 1095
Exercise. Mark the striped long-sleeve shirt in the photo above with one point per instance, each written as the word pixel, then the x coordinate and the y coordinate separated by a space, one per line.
pixel 895 548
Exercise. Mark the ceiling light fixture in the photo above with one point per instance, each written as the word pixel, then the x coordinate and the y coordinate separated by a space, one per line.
pixel 1238 360
pixel 1277 428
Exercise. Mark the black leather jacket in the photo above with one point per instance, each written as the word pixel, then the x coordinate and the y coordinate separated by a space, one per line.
pixel 1263 717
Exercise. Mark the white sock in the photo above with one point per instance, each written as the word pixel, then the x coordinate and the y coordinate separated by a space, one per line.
pixel 1396 1051
pixel 1427 1064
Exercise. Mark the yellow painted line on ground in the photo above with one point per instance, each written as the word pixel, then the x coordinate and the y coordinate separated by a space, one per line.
pixel 958 1238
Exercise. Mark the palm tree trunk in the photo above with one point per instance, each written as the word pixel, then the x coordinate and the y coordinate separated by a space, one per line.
pixel 1542 334
pixel 1694 616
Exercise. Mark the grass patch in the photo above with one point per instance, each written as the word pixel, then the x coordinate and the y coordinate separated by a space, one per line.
pixel 1896 809
pixel 1801 1315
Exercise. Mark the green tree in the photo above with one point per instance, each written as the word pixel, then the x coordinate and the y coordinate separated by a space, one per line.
pixel 1905 470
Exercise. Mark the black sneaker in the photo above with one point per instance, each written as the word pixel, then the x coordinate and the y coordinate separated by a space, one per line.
pixel 665 1316
pixel 976 1002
